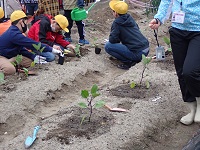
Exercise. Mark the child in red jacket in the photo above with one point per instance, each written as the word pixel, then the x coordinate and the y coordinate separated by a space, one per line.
pixel 47 30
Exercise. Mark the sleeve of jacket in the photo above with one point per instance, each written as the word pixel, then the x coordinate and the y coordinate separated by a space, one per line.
pixel 114 34
pixel 21 40
pixel 80 3
pixel 42 33
pixel 164 10
pixel 60 40
pixel 26 53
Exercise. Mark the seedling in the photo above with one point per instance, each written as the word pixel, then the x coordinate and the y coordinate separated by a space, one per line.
pixel 40 50
pixel 145 61
pixel 17 62
pixel 89 96
pixel 167 41
pixel 2 77
pixel 95 44
pixel 77 50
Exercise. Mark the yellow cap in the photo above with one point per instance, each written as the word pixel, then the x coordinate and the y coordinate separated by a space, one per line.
pixel 16 15
pixel 1 13
pixel 119 6
pixel 62 21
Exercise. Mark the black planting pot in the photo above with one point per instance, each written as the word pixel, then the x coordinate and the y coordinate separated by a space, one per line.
pixel 97 50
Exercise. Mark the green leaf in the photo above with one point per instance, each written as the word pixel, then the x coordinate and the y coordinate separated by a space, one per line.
pixel 37 47
pixel 144 59
pixel 77 50
pixel 99 104
pixel 82 105
pixel 95 94
pixel 33 64
pixel 2 77
pixel 14 64
pixel 169 49
pixel 132 85
pixel 41 50
pixel 147 84
pixel 148 60
pixel 94 88
pixel 18 59
pixel 166 40
pixel 84 93
pixel 25 71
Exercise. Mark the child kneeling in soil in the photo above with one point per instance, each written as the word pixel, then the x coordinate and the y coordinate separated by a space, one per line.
pixel 48 30
pixel 14 43
pixel 126 42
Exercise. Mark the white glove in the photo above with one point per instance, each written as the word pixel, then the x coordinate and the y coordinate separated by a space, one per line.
pixel 39 59
pixel 55 51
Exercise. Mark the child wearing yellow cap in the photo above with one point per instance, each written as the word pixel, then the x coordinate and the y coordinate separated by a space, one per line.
pixel 126 42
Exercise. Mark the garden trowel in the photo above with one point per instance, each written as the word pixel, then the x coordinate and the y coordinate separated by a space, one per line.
pixel 30 140
pixel 115 109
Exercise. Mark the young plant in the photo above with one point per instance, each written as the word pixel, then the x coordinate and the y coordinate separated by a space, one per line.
pixel 89 96
pixel 40 50
pixel 167 41
pixel 2 77
pixel 77 50
pixel 145 62
pixel 17 62
pixel 95 44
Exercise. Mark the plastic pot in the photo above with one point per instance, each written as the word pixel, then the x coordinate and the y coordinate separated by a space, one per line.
pixel 97 50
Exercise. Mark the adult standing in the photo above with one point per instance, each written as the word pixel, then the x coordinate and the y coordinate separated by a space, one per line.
pixel 185 42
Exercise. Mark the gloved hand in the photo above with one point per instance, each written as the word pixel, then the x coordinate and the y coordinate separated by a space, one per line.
pixel 55 51
pixel 39 59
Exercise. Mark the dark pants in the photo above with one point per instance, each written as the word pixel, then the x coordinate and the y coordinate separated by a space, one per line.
pixel 31 8
pixel 186 53
pixel 122 53
pixel 80 25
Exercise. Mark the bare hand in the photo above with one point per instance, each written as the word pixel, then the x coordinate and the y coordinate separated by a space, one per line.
pixel 57 47
pixel 23 7
pixel 154 24
pixel 71 46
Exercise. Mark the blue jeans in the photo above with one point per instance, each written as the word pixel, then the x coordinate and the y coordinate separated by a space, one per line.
pixel 48 55
pixel 122 53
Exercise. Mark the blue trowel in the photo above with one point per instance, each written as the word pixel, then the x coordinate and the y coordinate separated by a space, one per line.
pixel 30 140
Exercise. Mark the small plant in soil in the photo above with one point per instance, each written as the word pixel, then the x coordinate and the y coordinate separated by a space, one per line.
pixel 40 50
pixel 17 62
pixel 2 78
pixel 96 46
pixel 167 41
pixel 77 50
pixel 145 62
pixel 89 96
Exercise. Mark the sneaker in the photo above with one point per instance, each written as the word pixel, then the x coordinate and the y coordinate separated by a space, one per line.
pixel 68 39
pixel 126 66
pixel 83 42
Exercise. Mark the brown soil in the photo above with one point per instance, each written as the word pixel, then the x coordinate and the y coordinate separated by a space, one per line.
pixel 50 99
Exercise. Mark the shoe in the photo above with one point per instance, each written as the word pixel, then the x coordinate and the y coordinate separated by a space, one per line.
pixel 83 42
pixel 126 66
pixel 68 39
pixel 197 115
pixel 189 118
